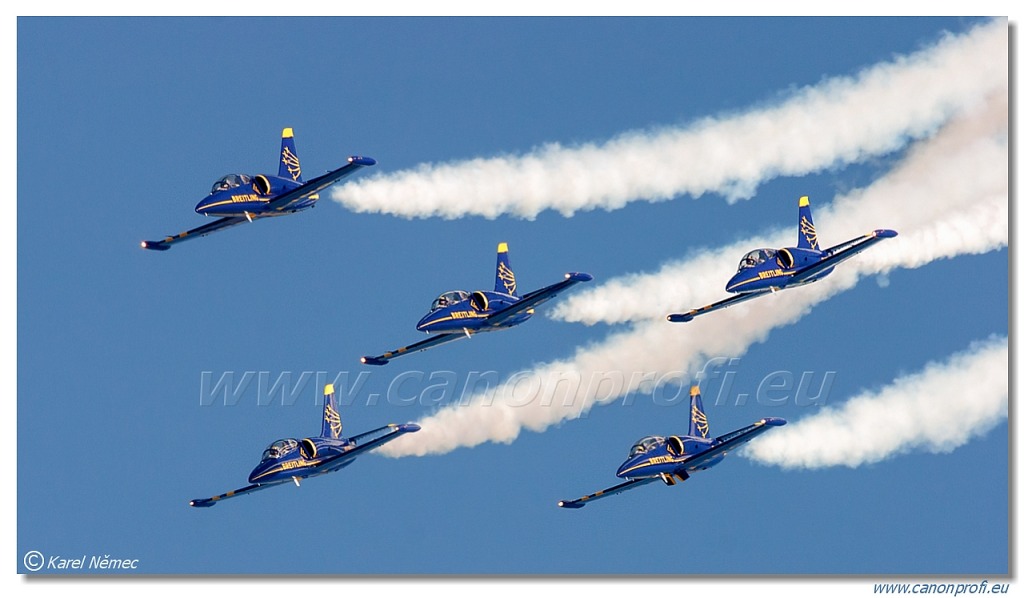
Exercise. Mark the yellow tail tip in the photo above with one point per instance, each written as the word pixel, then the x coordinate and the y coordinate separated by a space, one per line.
pixel 502 247
pixel 805 201
pixel 287 132
pixel 329 389
pixel 694 390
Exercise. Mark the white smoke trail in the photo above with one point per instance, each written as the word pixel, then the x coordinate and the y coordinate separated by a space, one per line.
pixel 840 121
pixel 937 410
pixel 953 215
pixel 965 166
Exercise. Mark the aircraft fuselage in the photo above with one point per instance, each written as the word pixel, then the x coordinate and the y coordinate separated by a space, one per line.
pixel 471 314
pixel 763 269
pixel 251 196
pixel 305 458
pixel 667 457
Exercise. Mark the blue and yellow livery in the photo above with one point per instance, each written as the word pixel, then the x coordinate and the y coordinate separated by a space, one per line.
pixel 768 270
pixel 461 314
pixel 672 459
pixel 292 459
pixel 238 198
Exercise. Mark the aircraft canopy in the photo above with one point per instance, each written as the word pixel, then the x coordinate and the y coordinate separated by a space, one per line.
pixel 645 444
pixel 230 181
pixel 756 257
pixel 448 298
pixel 279 448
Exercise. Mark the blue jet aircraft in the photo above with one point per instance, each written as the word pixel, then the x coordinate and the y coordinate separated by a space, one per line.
pixel 238 198
pixel 676 457
pixel 458 314
pixel 768 270
pixel 291 459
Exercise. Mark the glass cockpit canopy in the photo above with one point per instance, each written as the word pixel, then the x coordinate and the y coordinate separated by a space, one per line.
pixel 449 298
pixel 230 181
pixel 645 444
pixel 756 257
pixel 280 448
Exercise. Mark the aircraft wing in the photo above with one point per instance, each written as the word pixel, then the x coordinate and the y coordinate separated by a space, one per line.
pixel 209 502
pixel 202 231
pixel 394 431
pixel 581 502
pixel 728 302
pixel 842 252
pixel 314 186
pixel 535 298
pixel 433 341
pixel 728 442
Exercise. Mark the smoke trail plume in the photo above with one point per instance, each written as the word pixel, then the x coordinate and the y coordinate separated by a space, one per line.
pixel 937 410
pixel 947 198
pixel 840 121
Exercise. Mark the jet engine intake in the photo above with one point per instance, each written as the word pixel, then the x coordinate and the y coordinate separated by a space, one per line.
pixel 478 301
pixel 261 184
pixel 785 259
pixel 307 448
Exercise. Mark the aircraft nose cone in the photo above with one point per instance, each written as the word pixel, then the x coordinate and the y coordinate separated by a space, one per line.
pixel 201 207
pixel 257 473
pixel 733 285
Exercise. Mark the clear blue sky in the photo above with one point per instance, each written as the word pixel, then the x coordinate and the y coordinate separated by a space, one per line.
pixel 124 123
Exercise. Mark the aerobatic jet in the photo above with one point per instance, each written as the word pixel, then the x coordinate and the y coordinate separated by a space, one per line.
pixel 294 459
pixel 461 314
pixel 673 459
pixel 238 198
pixel 768 270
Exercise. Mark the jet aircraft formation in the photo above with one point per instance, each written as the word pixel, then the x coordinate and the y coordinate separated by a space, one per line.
pixel 238 198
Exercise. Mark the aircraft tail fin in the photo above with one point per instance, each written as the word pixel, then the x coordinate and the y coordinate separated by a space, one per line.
pixel 332 419
pixel 504 278
pixel 698 421
pixel 807 237
pixel 289 167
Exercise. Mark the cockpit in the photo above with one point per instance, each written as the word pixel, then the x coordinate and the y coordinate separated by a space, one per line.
pixel 280 448
pixel 449 298
pixel 755 258
pixel 230 181
pixel 645 444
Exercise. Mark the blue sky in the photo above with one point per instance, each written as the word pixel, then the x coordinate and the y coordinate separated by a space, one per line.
pixel 137 117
